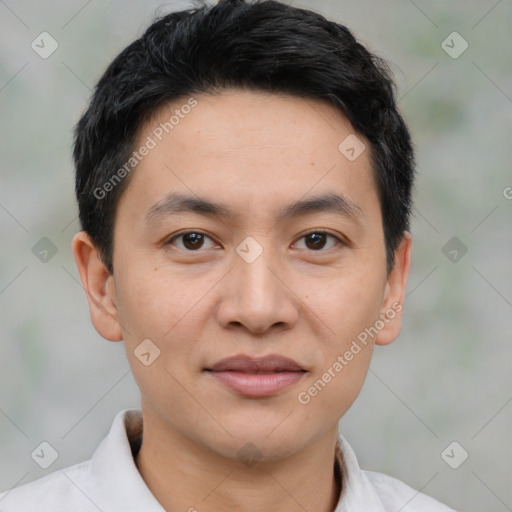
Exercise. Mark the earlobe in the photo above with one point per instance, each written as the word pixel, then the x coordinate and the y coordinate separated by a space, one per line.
pixel 394 295
pixel 98 284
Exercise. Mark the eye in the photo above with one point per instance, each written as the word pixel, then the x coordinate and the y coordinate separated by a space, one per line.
pixel 191 240
pixel 316 240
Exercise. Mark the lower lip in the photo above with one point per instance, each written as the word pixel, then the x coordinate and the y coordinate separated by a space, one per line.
pixel 257 384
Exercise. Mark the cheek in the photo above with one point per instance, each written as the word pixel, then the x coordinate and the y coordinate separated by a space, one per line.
pixel 154 303
pixel 168 309
pixel 163 309
pixel 346 305
pixel 343 381
pixel 332 388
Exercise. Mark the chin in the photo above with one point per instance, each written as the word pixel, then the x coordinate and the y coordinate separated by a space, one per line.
pixel 274 443
pixel 251 450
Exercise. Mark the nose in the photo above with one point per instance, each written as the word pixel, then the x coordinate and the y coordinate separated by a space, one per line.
pixel 257 296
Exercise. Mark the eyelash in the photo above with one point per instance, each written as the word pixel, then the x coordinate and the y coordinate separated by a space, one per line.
pixel 339 241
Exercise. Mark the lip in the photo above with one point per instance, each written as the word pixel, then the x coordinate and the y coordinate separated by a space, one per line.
pixel 257 377
pixel 246 364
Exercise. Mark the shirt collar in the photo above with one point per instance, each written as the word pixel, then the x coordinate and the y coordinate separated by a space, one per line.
pixel 116 481
pixel 357 493
pixel 118 484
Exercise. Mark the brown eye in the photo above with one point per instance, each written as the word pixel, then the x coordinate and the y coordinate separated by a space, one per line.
pixel 191 240
pixel 317 240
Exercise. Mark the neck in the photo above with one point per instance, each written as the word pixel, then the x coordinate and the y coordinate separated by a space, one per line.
pixel 186 476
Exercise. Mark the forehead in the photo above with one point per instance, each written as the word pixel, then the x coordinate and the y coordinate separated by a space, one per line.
pixel 253 150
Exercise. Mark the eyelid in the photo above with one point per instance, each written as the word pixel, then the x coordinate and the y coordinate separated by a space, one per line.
pixel 339 239
pixel 337 236
pixel 322 231
pixel 168 240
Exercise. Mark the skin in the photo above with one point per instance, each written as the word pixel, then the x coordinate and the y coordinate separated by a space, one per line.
pixel 256 153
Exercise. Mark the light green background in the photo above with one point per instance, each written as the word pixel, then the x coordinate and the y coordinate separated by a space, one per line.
pixel 447 378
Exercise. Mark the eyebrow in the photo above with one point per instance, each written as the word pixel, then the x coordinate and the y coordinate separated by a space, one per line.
pixel 175 203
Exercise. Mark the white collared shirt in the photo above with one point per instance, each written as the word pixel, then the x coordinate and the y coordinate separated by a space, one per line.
pixel 111 482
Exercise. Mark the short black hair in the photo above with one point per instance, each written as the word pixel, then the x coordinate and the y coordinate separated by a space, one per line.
pixel 261 45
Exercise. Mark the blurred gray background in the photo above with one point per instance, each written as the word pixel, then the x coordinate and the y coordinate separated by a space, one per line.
pixel 448 376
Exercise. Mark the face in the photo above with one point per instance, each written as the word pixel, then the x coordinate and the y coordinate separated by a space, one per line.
pixel 279 251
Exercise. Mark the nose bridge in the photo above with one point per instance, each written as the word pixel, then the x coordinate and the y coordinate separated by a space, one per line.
pixel 255 281
pixel 257 298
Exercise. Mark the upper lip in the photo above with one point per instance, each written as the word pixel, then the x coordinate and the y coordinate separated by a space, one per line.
pixel 247 364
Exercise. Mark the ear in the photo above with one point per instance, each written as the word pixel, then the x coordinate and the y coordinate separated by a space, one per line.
pixel 394 295
pixel 98 284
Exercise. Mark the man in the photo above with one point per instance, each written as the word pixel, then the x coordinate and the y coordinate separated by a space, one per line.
pixel 244 185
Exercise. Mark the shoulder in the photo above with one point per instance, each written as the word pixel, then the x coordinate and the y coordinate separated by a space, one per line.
pixel 369 490
pixel 393 492
pixel 60 490
pixel 108 481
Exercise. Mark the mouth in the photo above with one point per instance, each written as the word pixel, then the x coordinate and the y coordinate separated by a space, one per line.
pixel 257 377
